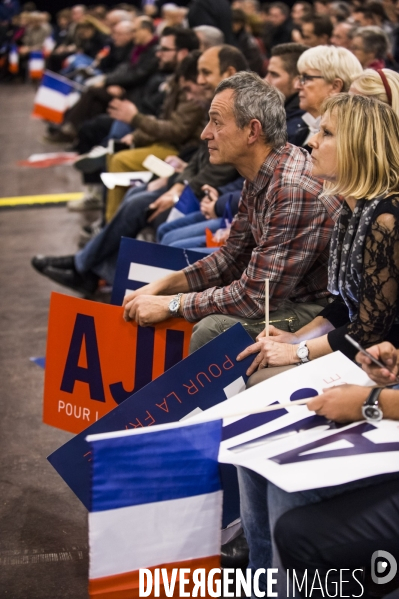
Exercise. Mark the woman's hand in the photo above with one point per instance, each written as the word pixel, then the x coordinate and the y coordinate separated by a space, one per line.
pixel 341 404
pixel 279 335
pixel 270 353
pixel 385 353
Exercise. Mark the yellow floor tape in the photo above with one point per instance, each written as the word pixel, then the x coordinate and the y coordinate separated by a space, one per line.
pixel 42 199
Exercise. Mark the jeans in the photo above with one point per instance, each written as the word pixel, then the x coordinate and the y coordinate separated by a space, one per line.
pixel 101 253
pixel 187 232
pixel 118 130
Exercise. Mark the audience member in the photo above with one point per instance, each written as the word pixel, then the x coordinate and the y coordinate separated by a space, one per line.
pixel 279 25
pixel 342 35
pixel 317 30
pixel 324 71
pixel 358 135
pixel 300 10
pixel 370 46
pixel 356 154
pixel 383 85
pixel 208 36
pixel 227 286
pixel 98 259
pixel 282 72
pixel 246 42
pixel 176 131
pixel 128 78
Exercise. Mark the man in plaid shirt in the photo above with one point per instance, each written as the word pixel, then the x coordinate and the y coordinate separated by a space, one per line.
pixel 281 232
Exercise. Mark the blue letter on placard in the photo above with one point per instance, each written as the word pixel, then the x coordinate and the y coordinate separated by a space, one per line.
pixel 143 370
pixel 84 329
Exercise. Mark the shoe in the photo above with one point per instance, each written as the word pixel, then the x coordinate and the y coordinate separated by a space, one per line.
pixel 88 232
pixel 235 554
pixel 85 284
pixel 40 262
pixel 85 204
pixel 94 161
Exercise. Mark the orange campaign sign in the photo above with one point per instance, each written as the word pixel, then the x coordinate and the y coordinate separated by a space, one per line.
pixel 95 360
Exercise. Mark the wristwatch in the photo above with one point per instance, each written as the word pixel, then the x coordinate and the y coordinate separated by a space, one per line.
pixel 174 305
pixel 303 352
pixel 370 409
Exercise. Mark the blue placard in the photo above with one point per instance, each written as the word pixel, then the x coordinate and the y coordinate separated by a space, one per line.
pixel 196 383
pixel 134 252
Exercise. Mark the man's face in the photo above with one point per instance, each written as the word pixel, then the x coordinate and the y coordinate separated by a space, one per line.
pixel 357 48
pixel 340 37
pixel 226 142
pixel 279 78
pixel 167 53
pixel 297 13
pixel 140 35
pixel 193 90
pixel 209 75
pixel 310 38
pixel 77 13
pixel 121 35
pixel 276 16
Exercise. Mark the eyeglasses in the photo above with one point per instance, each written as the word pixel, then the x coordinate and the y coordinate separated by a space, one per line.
pixel 304 78
pixel 163 49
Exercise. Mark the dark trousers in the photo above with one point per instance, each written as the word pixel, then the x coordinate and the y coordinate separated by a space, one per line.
pixel 340 533
pixel 93 102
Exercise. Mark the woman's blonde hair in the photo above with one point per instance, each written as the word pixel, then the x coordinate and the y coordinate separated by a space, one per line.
pixel 367 147
pixel 332 62
pixel 370 84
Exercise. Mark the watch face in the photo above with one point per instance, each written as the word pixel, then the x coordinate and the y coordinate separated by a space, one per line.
pixel 174 305
pixel 302 352
pixel 372 413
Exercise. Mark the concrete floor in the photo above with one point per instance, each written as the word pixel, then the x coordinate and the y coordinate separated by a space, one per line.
pixel 43 527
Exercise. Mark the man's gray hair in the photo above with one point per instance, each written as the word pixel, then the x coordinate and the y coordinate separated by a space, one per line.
pixel 375 40
pixel 212 36
pixel 257 99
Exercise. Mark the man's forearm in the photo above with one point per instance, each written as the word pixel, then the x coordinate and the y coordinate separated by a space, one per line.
pixel 173 283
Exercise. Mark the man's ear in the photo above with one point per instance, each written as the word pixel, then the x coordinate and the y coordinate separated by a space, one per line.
pixel 254 131
pixel 229 72
pixel 182 54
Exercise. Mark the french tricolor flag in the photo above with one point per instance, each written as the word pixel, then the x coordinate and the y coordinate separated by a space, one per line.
pixel 36 64
pixel 156 505
pixel 13 60
pixel 53 97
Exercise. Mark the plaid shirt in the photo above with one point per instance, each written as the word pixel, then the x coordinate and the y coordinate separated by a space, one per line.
pixel 281 232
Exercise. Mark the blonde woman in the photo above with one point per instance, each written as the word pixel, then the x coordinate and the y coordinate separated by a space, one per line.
pixel 324 71
pixel 356 152
pixel 382 85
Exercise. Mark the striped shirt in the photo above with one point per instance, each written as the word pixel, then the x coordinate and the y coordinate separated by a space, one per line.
pixel 281 232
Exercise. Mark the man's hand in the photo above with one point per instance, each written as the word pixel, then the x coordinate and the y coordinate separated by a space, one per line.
pixel 210 192
pixel 341 404
pixel 270 353
pixel 127 139
pixel 385 353
pixel 115 90
pixel 178 164
pixel 147 309
pixel 122 110
pixel 165 201
pixel 207 207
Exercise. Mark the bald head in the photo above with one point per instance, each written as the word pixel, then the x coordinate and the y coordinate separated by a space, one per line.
pixel 217 64
pixel 122 33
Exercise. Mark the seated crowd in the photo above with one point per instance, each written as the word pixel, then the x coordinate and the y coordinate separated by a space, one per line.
pixel 284 125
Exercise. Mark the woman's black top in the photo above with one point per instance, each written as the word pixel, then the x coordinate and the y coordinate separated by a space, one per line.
pixel 377 318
